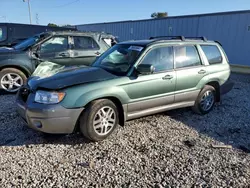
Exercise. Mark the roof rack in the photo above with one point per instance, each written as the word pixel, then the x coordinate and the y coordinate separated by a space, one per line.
pixel 202 38
pixel 218 42
pixel 178 37
pixel 170 37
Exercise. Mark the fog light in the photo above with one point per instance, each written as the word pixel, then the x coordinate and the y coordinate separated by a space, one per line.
pixel 38 124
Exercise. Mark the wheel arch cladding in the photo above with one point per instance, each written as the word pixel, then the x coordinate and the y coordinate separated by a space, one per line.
pixel 24 70
pixel 117 103
pixel 216 86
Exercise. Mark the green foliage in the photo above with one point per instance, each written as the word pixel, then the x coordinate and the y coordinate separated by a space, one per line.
pixel 52 25
pixel 159 15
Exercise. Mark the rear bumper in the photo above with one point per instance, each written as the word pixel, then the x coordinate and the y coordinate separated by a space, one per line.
pixel 49 118
pixel 226 87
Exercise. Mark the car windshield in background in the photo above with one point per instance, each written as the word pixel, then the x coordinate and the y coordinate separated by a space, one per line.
pixel 3 33
pixel 119 58
pixel 26 43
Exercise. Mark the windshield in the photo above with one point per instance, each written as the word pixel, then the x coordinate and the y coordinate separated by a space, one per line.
pixel 119 58
pixel 27 43
pixel 3 33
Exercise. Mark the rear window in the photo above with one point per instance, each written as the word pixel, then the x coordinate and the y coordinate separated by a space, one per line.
pixel 212 53
pixel 3 33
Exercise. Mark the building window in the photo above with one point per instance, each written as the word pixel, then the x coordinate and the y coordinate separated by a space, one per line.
pixel 131 31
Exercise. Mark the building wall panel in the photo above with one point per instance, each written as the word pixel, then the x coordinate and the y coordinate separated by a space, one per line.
pixel 231 29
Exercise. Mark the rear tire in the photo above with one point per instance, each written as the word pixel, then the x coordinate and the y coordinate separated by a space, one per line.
pixel 99 120
pixel 205 100
pixel 12 79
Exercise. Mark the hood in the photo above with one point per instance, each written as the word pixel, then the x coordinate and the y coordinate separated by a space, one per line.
pixel 6 50
pixel 63 77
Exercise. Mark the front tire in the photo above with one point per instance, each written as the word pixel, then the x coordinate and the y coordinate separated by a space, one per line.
pixel 99 120
pixel 205 100
pixel 12 79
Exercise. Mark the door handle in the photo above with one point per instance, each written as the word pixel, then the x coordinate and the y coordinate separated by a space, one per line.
pixel 63 55
pixel 97 53
pixel 168 77
pixel 202 72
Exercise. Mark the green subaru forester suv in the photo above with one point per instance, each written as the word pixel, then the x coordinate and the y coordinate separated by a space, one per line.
pixel 130 80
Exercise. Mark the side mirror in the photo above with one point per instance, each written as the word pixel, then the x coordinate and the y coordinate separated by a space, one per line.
pixel 145 68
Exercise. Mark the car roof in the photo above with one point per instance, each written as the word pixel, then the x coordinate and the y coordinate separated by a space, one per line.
pixel 77 33
pixel 137 42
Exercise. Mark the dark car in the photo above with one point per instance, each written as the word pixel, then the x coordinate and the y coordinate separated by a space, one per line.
pixel 65 48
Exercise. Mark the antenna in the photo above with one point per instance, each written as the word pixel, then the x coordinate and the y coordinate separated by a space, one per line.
pixel 37 19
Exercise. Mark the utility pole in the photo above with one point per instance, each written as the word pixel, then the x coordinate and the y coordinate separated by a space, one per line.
pixel 29 9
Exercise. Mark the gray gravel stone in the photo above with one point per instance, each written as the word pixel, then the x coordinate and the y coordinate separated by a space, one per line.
pixel 172 149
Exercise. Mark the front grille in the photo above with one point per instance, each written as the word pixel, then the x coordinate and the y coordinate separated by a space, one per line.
pixel 24 93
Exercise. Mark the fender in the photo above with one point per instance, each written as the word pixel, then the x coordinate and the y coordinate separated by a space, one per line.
pixel 24 66
pixel 83 98
pixel 215 77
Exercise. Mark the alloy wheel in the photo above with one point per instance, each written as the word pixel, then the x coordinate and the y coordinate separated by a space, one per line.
pixel 207 101
pixel 11 82
pixel 104 121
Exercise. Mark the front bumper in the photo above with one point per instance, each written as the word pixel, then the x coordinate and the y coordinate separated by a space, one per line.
pixel 48 118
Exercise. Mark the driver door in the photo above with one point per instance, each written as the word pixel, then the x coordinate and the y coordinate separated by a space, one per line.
pixel 157 89
pixel 56 50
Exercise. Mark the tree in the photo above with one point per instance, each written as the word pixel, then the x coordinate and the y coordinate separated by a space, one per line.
pixel 52 25
pixel 159 15
pixel 67 25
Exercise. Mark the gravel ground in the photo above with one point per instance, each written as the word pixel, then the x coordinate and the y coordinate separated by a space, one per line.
pixel 172 149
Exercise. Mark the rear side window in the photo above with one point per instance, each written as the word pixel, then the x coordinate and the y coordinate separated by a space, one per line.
pixel 85 43
pixel 212 53
pixel 186 56
pixel 3 33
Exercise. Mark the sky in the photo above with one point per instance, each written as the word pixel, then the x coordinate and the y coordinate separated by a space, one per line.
pixel 76 12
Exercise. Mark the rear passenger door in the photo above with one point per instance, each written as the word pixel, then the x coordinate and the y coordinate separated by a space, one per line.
pixel 189 71
pixel 84 50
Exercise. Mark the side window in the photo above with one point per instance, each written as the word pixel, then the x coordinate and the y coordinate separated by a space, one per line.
pixel 161 58
pixel 186 56
pixel 85 43
pixel 55 44
pixel 3 33
pixel 212 53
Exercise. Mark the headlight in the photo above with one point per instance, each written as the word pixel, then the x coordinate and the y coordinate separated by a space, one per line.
pixel 46 97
